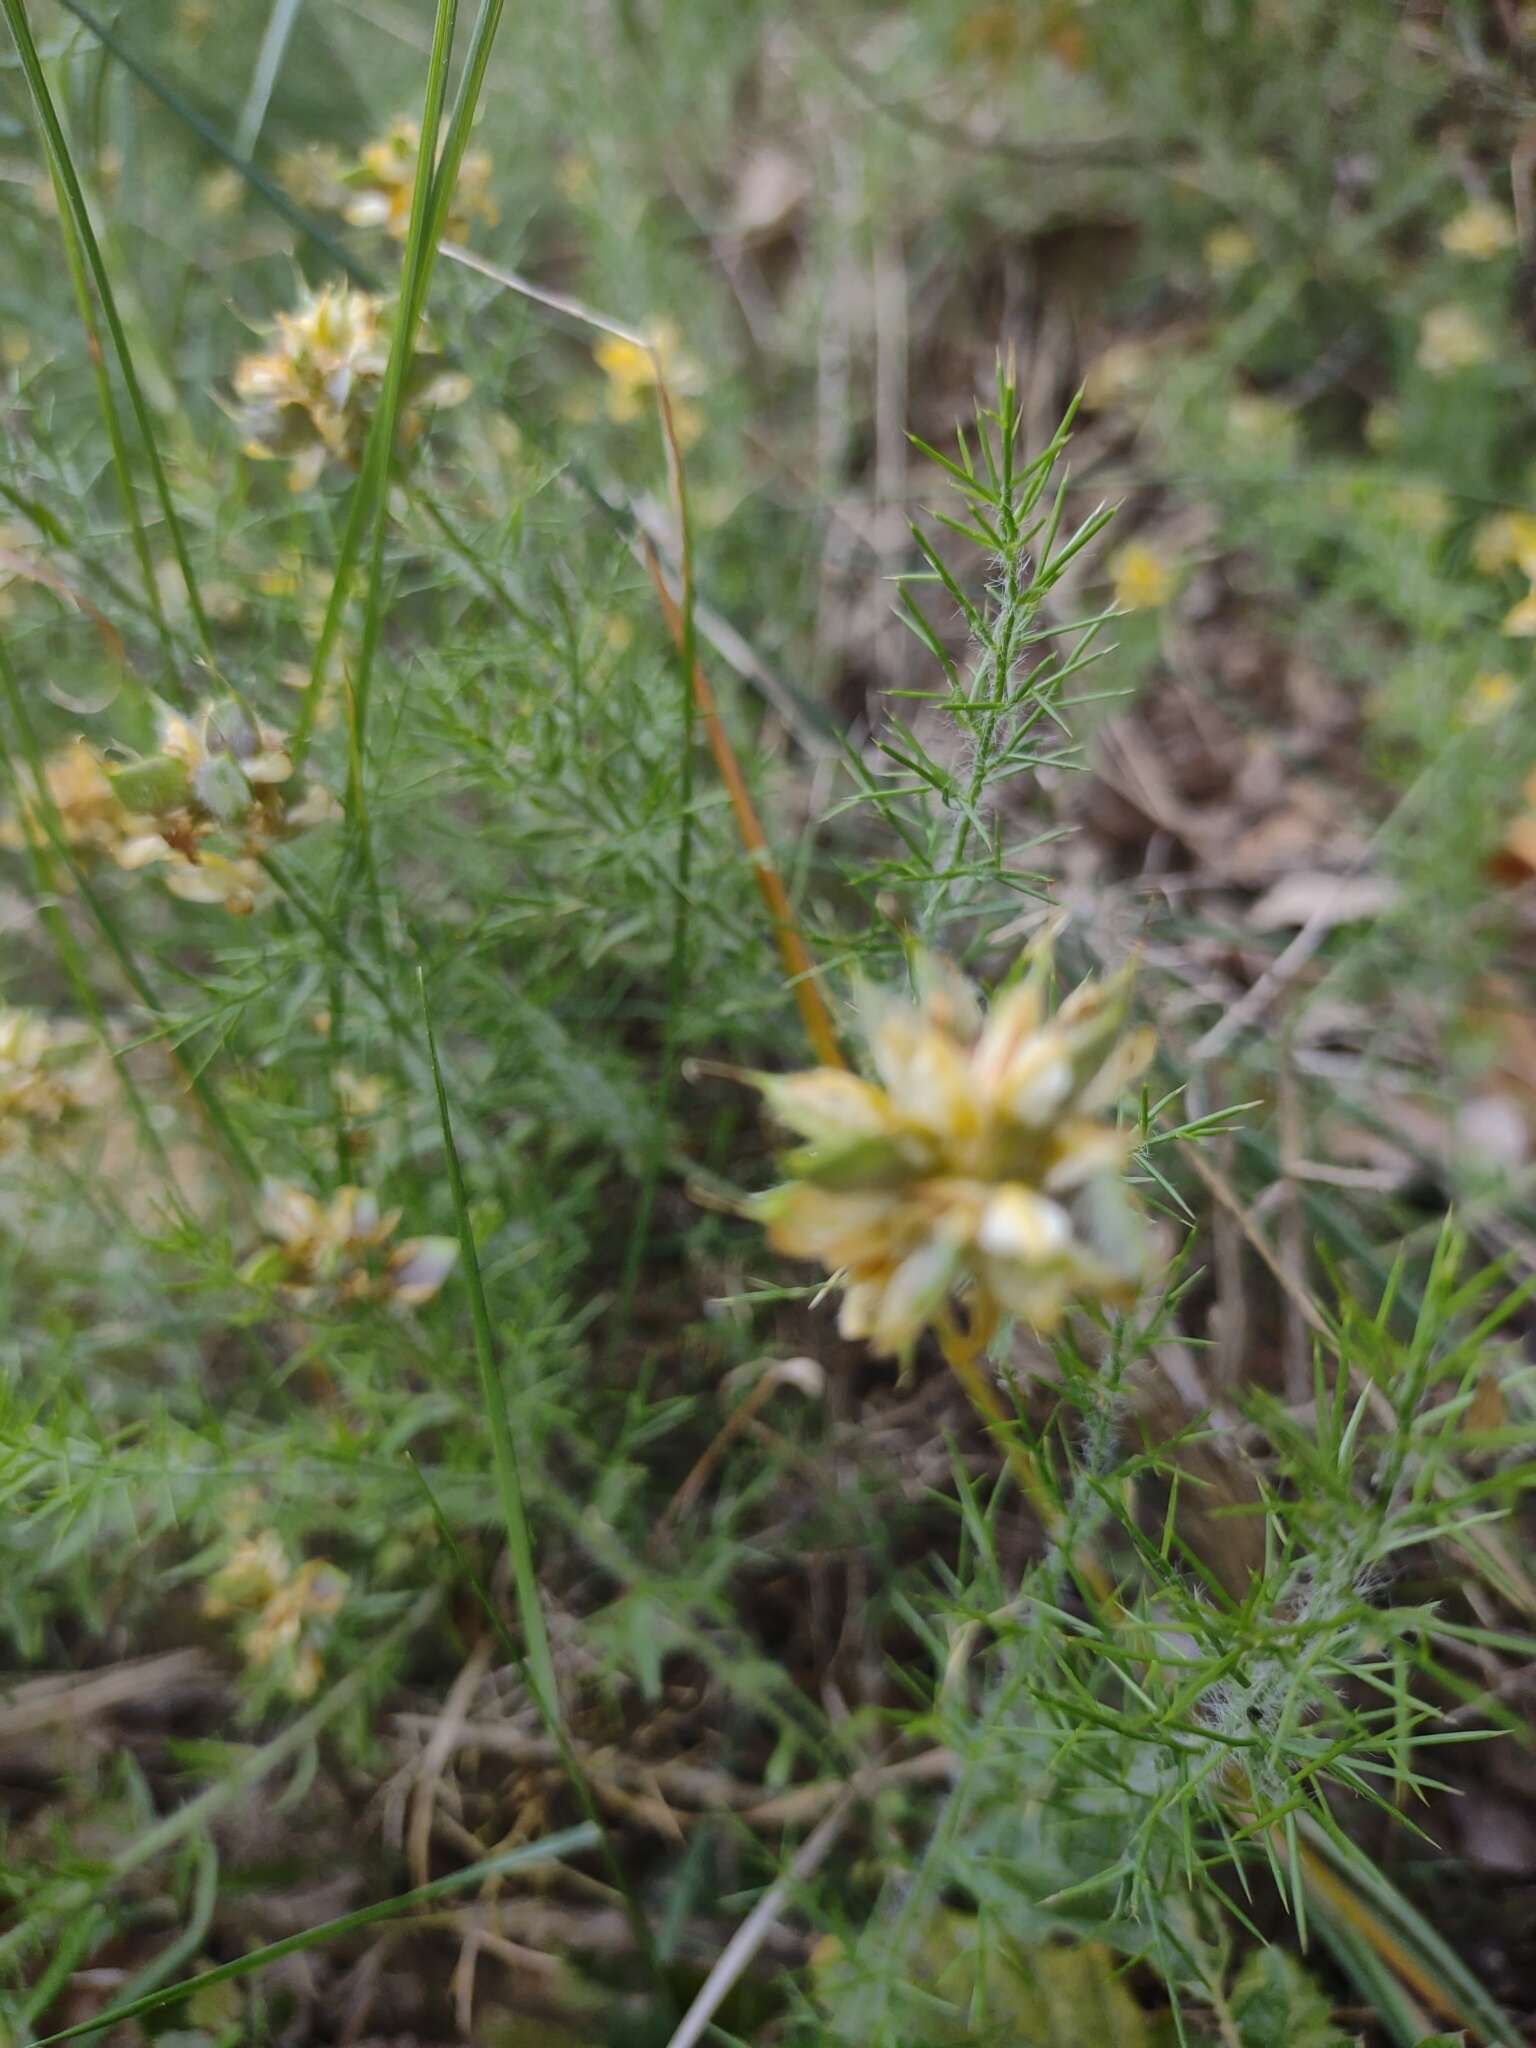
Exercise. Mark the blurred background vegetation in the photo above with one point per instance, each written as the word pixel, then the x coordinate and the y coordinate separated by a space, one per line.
pixel 265 1627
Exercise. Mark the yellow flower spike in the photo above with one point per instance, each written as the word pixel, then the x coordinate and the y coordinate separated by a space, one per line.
pixel 287 1609
pixel 1520 619
pixel 218 775
pixel 912 1294
pixel 1118 374
pixel 313 176
pixel 1124 1064
pixel 360 1094
pixel 1020 1225
pixel 975 1168
pixel 1082 1151
pixel 827 1105
pixel 850 1229
pixel 249 1576
pixel 419 1267
pixel 237 886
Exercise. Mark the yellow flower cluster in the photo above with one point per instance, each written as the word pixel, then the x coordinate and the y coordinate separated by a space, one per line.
pixel 286 1611
pixel 338 1251
pixel 978 1166
pixel 380 184
pixel 1481 230
pixel 309 399
pixel 219 791
pixel 76 787
pixel 633 373
pixel 373 190
pixel 47 1072
pixel 1508 541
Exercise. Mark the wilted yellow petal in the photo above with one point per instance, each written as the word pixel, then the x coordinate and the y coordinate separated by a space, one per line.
pixel 418 1268
pixel 1011 1020
pixel 1127 1061
pixel 838 1229
pixel 1017 1223
pixel 912 1296
pixel 1080 1151
pixel 828 1106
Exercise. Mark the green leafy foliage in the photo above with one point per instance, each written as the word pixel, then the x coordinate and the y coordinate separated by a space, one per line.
pixel 1155 1705
pixel 970 1983
pixel 1274 2001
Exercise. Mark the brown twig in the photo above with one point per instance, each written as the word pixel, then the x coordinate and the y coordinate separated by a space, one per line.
pixel 42 1702
pixel 803 1373
pixel 434 1758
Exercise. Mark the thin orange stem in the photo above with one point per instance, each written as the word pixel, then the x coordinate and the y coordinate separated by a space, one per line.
pixel 793 951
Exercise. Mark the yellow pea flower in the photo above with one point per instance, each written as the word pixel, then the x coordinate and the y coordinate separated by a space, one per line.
pixel 1143 577
pixel 977 1166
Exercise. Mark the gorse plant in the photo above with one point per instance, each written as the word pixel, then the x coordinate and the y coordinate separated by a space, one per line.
pixel 1007 693
pixel 1119 1760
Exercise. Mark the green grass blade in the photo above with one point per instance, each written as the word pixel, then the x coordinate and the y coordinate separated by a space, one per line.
pixel 493 1393
pixel 373 485
pixel 678 960
pixel 178 1953
pixel 121 466
pixel 62 165
pixel 269 62
pixel 569 1843
pixel 460 121
pixel 1395 2012
pixel 1475 2009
